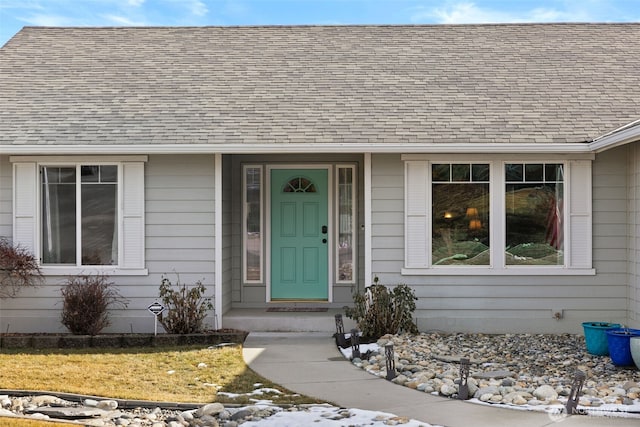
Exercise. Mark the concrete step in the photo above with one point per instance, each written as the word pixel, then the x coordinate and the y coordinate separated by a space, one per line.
pixel 260 320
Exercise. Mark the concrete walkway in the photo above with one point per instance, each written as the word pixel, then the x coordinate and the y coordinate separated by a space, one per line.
pixel 310 364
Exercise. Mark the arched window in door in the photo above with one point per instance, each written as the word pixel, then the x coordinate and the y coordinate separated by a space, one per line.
pixel 299 185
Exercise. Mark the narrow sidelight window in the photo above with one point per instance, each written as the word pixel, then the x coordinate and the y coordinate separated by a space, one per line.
pixel 252 224
pixel 346 224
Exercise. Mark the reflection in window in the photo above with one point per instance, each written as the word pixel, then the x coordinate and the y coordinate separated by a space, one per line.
pixel 346 222
pixel 460 209
pixel 534 213
pixel 99 195
pixel 58 215
pixel 253 223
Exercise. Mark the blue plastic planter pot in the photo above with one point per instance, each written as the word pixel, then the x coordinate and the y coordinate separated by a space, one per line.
pixel 619 344
pixel 596 338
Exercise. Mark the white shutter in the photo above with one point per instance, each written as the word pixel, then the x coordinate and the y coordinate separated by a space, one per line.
pixel 416 214
pixel 579 215
pixel 132 216
pixel 24 198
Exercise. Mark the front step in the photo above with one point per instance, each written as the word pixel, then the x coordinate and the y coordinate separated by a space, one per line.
pixel 259 320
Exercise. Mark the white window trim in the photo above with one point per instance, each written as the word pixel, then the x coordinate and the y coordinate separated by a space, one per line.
pixel 245 212
pixel 27 205
pixel 354 220
pixel 497 265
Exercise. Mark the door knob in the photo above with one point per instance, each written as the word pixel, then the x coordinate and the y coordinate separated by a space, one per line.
pixel 324 229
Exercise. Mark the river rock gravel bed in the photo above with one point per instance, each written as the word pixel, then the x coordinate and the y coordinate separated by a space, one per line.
pixel 108 413
pixel 512 369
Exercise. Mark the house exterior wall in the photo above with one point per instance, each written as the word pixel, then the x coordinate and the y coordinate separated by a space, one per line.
pixel 180 238
pixel 633 251
pixel 610 236
pixel 179 212
pixel 501 303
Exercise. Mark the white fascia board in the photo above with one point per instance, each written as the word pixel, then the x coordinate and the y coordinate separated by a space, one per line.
pixel 463 148
pixel 615 139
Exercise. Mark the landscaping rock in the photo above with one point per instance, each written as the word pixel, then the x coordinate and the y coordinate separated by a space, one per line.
pixel 209 409
pixel 512 369
pixel 545 392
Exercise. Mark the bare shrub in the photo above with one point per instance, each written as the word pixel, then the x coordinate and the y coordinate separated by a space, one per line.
pixel 86 303
pixel 18 269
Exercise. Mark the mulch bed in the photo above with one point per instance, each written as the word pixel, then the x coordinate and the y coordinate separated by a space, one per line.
pixel 38 341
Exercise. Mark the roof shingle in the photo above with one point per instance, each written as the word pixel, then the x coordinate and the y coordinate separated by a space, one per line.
pixel 537 83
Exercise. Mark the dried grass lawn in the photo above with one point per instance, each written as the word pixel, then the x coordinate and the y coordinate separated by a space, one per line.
pixel 176 374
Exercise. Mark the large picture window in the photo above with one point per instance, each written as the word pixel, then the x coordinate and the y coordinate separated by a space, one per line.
pixel 79 214
pixel 534 213
pixel 525 216
pixel 460 214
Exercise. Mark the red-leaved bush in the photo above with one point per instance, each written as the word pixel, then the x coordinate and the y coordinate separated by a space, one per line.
pixel 18 269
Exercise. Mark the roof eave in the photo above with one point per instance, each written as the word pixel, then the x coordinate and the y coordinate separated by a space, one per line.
pixel 326 148
pixel 623 135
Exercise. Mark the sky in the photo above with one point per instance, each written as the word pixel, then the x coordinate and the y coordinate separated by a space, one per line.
pixel 15 14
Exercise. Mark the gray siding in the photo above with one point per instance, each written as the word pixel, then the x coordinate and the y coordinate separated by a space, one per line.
pixel 227 235
pixel 387 217
pixel 179 213
pixel 634 235
pixel 509 303
pixel 180 233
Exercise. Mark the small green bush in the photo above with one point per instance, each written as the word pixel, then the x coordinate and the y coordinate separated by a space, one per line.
pixel 379 311
pixel 187 307
pixel 86 301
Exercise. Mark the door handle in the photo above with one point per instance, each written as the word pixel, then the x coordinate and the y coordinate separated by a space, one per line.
pixel 324 229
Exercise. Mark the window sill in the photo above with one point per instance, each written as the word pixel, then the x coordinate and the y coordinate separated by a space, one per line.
pixel 107 270
pixel 488 271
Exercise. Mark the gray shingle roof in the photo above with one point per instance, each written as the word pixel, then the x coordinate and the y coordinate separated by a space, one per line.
pixel 354 84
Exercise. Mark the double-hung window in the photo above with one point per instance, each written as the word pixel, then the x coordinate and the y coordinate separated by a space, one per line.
pixel 502 216
pixel 79 220
pixel 81 213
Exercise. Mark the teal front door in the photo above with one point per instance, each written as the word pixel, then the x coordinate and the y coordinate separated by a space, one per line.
pixel 299 234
